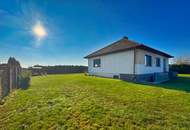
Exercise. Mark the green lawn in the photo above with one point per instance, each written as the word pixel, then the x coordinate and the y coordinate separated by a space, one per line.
pixel 75 101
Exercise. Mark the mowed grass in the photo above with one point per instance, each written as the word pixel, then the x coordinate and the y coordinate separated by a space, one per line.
pixel 75 101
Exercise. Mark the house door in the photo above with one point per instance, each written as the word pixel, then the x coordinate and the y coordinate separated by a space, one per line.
pixel 164 65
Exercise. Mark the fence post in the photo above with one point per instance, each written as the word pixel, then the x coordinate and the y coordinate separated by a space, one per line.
pixel 1 88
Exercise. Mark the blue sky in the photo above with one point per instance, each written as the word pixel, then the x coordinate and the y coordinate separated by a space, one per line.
pixel 75 28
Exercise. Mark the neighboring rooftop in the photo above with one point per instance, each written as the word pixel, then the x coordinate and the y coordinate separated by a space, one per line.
pixel 125 44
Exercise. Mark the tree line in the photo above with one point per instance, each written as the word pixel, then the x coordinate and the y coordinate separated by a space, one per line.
pixel 57 69
pixel 181 64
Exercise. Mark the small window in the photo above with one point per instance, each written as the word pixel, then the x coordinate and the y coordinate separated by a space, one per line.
pixel 96 62
pixel 157 62
pixel 148 60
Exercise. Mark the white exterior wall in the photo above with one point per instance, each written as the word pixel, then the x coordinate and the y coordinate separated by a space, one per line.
pixel 123 63
pixel 113 64
pixel 143 69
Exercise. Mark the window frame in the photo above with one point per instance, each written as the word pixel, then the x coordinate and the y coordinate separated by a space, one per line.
pixel 98 64
pixel 158 64
pixel 148 60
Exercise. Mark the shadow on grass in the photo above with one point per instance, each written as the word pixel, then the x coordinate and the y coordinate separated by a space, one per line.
pixel 181 83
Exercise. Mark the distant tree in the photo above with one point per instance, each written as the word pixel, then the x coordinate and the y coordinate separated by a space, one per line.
pixel 57 69
pixel 182 60
pixel 181 64
pixel 38 65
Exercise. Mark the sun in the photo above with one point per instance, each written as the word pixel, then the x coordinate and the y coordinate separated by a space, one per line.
pixel 39 30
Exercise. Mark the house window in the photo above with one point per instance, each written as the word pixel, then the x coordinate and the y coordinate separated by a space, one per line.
pixel 96 62
pixel 148 60
pixel 157 62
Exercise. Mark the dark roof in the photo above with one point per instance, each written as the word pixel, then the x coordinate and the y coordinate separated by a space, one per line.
pixel 123 45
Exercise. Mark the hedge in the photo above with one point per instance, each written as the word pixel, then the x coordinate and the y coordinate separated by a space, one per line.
pixel 183 69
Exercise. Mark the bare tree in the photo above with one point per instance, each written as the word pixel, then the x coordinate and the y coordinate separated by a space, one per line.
pixel 185 59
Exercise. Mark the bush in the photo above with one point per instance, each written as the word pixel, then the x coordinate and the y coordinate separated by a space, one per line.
pixel 24 79
pixel 183 69
pixel 86 74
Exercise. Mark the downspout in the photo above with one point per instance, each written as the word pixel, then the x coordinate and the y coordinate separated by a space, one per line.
pixel 134 63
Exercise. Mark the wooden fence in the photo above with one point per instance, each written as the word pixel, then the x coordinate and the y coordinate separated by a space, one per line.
pixel 9 76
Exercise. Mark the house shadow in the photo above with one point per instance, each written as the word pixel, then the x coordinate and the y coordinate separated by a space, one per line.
pixel 180 83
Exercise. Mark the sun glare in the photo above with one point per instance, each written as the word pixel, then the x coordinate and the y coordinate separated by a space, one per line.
pixel 39 30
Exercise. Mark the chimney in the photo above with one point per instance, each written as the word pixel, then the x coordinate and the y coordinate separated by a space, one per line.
pixel 125 37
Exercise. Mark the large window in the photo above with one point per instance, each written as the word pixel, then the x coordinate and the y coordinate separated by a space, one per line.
pixel 148 60
pixel 96 62
pixel 157 62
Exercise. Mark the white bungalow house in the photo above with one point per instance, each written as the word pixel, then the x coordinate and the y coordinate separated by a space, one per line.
pixel 129 60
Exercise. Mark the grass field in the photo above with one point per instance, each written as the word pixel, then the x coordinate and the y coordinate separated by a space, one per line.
pixel 75 101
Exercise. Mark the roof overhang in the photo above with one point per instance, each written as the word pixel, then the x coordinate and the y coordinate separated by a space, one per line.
pixel 144 47
pixel 121 50
pixel 141 46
